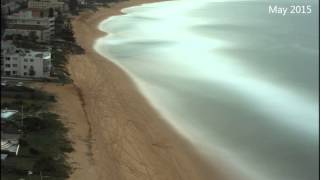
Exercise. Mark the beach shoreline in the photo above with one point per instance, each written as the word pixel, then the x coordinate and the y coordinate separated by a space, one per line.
pixel 115 131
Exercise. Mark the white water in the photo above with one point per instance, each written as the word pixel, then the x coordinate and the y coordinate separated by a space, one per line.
pixel 239 83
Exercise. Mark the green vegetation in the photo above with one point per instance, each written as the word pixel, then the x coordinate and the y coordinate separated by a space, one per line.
pixel 59 62
pixel 64 43
pixel 44 142
pixel 66 32
pixel 3 24
pixel 73 5
pixel 33 36
pixel 25 93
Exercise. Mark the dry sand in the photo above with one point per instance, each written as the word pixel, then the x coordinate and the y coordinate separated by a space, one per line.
pixel 116 133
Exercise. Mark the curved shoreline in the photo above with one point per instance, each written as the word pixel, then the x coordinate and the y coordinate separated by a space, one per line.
pixel 118 134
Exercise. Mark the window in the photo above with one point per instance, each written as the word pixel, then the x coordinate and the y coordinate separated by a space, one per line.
pixel 25 67
pixel 32 72
pixel 14 65
pixel 25 73
pixel 14 72
pixel 25 60
pixel 8 73
pixel 31 60
pixel 8 65
pixel 8 58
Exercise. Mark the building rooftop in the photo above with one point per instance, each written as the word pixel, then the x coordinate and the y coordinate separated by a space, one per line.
pixel 10 142
pixel 49 1
pixel 5 113
pixel 10 146
pixel 30 13
pixel 9 48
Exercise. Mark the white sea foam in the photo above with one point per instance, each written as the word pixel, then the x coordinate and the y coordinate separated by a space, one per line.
pixel 227 83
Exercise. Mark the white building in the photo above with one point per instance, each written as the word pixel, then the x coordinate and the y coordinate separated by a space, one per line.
pixel 46 4
pixel 33 20
pixel 20 62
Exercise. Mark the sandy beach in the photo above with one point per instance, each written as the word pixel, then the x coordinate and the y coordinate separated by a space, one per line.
pixel 116 133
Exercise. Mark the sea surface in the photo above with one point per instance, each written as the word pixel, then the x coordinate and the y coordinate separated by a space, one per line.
pixel 239 83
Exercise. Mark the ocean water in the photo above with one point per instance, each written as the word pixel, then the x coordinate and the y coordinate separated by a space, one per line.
pixel 239 83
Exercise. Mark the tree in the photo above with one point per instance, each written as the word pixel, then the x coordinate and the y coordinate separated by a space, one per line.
pixel 34 124
pixel 51 12
pixel 45 163
pixel 3 22
pixel 33 36
pixel 73 5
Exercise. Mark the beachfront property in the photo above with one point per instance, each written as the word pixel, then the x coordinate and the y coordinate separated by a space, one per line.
pixel 30 20
pixel 41 33
pixel 21 62
pixel 47 4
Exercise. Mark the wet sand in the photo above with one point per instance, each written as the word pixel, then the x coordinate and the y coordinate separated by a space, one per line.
pixel 116 133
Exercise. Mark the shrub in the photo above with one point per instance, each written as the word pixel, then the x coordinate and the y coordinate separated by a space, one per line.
pixel 34 124
pixel 34 151
pixel 23 142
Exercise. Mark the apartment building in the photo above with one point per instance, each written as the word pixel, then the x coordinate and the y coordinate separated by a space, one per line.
pixel 42 33
pixel 20 62
pixel 46 4
pixel 32 20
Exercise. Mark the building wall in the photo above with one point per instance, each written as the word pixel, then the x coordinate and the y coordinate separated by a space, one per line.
pixel 46 4
pixel 43 35
pixel 27 19
pixel 18 62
